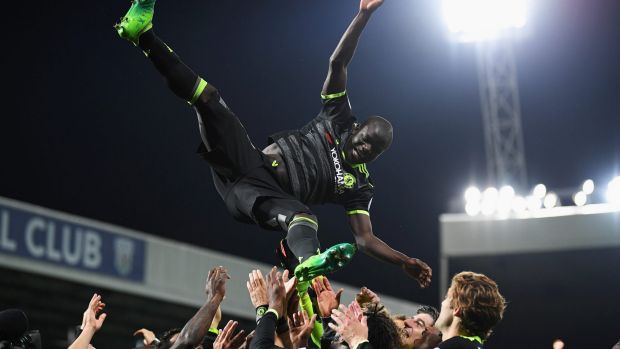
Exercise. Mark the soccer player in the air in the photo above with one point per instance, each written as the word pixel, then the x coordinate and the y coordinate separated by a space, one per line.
pixel 322 162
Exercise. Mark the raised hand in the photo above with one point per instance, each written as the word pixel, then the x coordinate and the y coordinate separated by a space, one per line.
pixel 257 288
pixel 355 310
pixel 366 295
pixel 216 282
pixel 370 5
pixel 351 328
pixel 148 335
pixel 326 298
pixel 418 270
pixel 276 291
pixel 289 284
pixel 89 319
pixel 225 339
pixel 247 342
pixel 300 328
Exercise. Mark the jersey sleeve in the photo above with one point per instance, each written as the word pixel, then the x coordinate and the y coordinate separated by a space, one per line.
pixel 359 201
pixel 336 107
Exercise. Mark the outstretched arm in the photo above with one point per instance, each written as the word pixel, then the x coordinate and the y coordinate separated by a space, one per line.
pixel 336 80
pixel 90 323
pixel 368 243
pixel 197 327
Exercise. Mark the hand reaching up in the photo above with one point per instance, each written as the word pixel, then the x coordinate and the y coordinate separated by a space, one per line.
pixel 257 288
pixel 89 319
pixel 226 340
pixel 216 282
pixel 370 5
pixel 366 295
pixel 300 328
pixel 327 300
pixel 276 291
pixel 418 270
pixel 148 335
pixel 350 324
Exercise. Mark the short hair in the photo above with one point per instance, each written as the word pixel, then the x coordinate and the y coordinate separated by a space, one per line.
pixel 164 340
pixel 480 303
pixel 382 330
pixel 430 310
pixel 385 130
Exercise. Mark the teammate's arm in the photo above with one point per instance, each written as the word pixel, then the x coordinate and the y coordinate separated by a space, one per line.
pixel 370 244
pixel 197 327
pixel 336 81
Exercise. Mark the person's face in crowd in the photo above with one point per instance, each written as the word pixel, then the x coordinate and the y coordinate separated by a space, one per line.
pixel 412 330
pixel 446 314
pixel 427 318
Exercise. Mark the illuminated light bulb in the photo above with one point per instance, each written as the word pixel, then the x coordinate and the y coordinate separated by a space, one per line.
pixel 551 200
pixel 588 187
pixel 580 198
pixel 540 190
pixel 472 194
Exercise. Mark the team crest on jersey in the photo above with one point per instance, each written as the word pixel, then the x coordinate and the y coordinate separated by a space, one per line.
pixel 349 180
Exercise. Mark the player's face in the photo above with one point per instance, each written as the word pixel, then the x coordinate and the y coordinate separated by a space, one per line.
pixel 364 145
pixel 414 331
pixel 428 320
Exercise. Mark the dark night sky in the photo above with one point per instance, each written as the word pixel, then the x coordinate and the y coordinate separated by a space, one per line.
pixel 89 128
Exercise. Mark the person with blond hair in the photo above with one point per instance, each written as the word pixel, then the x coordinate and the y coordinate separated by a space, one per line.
pixel 472 308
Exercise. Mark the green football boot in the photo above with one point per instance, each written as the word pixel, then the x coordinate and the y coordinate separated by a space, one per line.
pixel 137 20
pixel 329 261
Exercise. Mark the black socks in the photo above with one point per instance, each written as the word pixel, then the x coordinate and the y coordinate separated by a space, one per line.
pixel 179 77
pixel 302 237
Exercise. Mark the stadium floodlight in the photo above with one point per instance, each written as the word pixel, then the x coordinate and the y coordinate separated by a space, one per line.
pixel 487 208
pixel 480 20
pixel 580 198
pixel 519 204
pixel 506 192
pixel 588 187
pixel 472 208
pixel 490 193
pixel 489 201
pixel 613 191
pixel 533 203
pixel 551 200
pixel 504 204
pixel 472 194
pixel 540 190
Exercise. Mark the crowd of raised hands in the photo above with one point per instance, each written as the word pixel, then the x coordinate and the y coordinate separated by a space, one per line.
pixel 288 314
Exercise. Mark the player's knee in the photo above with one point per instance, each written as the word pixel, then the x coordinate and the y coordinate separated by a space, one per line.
pixel 305 219
pixel 207 94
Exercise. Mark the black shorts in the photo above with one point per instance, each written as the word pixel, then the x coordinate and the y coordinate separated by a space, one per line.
pixel 242 174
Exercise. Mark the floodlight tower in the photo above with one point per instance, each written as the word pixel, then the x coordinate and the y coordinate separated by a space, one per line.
pixel 488 24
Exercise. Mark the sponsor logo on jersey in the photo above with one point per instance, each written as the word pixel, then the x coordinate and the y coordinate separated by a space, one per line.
pixel 343 179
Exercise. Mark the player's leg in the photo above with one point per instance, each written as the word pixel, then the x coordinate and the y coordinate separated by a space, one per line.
pixel 301 227
pixel 137 27
pixel 293 217
pixel 227 145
